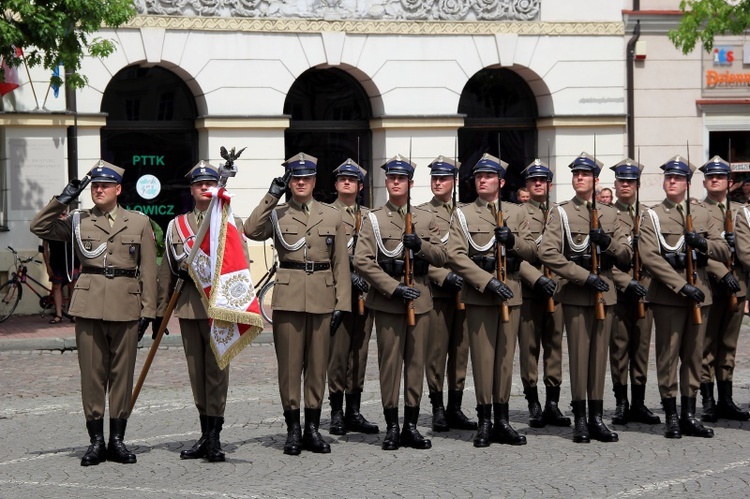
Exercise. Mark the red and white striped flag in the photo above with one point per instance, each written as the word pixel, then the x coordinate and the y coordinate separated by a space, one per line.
pixel 220 269
pixel 10 80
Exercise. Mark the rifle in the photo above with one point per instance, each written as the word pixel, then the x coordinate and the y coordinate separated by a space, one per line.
pixel 411 319
pixel 459 304
pixel 545 212
pixel 355 236
pixel 500 258
pixel 690 273
pixel 225 172
pixel 729 227
pixel 596 258
pixel 640 307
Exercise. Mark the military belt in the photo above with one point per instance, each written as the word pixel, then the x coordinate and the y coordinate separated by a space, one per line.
pixel 307 266
pixel 606 262
pixel 110 272
pixel 394 267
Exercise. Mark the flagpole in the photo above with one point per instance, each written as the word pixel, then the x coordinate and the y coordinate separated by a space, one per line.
pixel 225 172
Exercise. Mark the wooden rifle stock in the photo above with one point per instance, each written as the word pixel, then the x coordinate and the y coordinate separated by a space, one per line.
pixel 411 319
pixel 357 227
pixel 596 264
pixel 690 267
pixel 729 227
pixel 500 259
pixel 640 307
pixel 546 270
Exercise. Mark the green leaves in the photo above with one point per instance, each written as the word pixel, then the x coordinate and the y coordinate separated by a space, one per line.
pixel 53 32
pixel 703 20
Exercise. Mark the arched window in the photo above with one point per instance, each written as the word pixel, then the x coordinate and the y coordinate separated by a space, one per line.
pixel 151 133
pixel 330 119
pixel 501 115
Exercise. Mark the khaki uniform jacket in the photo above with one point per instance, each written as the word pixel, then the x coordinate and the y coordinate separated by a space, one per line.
pixel 366 257
pixel 438 274
pixel 320 292
pixel 667 282
pixel 622 279
pixel 129 243
pixel 189 304
pixel 350 223
pixel 742 235
pixel 555 251
pixel 717 270
pixel 531 271
pixel 481 225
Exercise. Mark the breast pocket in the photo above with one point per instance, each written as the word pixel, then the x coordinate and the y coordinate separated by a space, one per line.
pixel 327 237
pixel 481 236
pixel 391 239
pixel 90 242
pixel 132 244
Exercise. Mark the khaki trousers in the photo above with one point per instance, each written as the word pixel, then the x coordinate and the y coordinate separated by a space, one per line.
pixel 588 340
pixel 347 360
pixel 630 344
pixel 401 347
pixel 493 345
pixel 720 343
pixel 302 343
pixel 677 338
pixel 538 329
pixel 106 356
pixel 448 340
pixel 209 383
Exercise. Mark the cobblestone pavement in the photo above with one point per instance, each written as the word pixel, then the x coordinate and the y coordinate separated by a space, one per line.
pixel 44 437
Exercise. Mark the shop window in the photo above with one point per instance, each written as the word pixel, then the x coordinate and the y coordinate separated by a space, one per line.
pixel 330 114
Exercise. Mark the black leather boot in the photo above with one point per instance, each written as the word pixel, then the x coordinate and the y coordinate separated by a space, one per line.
pixel 438 412
pixel 214 454
pixel 672 423
pixel 622 407
pixel 198 450
pixel 311 439
pixel 483 436
pixel 410 436
pixel 454 415
pixel 391 440
pixel 580 426
pixel 689 424
pixel 552 414
pixel 597 429
pixel 293 445
pixel 535 409
pixel 353 420
pixel 97 451
pixel 116 450
pixel 502 431
pixel 639 413
pixel 725 406
pixel 337 426
pixel 709 404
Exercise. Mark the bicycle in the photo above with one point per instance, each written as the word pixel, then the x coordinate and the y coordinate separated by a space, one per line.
pixel 266 284
pixel 12 291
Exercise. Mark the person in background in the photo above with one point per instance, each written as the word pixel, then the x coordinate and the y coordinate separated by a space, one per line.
pixel 522 195
pixel 605 196
pixel 57 259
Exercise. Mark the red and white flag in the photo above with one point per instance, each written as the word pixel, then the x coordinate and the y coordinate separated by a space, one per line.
pixel 220 269
pixel 10 80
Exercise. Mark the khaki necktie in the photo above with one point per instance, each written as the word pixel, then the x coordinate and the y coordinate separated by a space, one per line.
pixel 199 218
pixel 631 211
pixel 723 209
pixel 110 219
pixel 493 209
pixel 681 211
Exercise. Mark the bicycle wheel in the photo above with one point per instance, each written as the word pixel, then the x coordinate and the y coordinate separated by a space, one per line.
pixel 10 295
pixel 264 298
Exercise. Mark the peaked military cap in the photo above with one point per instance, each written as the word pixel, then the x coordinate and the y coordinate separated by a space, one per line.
pixel 106 172
pixel 490 164
pixel 716 166
pixel 678 166
pixel 301 165
pixel 537 168
pixel 350 169
pixel 398 165
pixel 443 167
pixel 585 161
pixel 203 171
pixel 627 169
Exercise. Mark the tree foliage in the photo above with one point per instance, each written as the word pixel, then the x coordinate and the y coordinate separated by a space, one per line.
pixel 703 20
pixel 54 32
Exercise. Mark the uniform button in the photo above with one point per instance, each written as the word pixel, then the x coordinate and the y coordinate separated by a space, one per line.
pixel 309 247
pixel 309 233
pixel 111 239
pixel 110 252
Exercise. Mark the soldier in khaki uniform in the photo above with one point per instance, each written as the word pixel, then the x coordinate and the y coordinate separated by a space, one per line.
pixel 347 361
pixel 208 382
pixel 566 249
pixel 631 335
pixel 311 295
pixel 540 328
pixel 449 336
pixel 742 236
pixel 473 251
pixel 723 325
pixel 379 258
pixel 663 244
pixel 114 299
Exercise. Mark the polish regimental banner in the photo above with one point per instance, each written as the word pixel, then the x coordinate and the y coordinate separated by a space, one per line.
pixel 220 269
